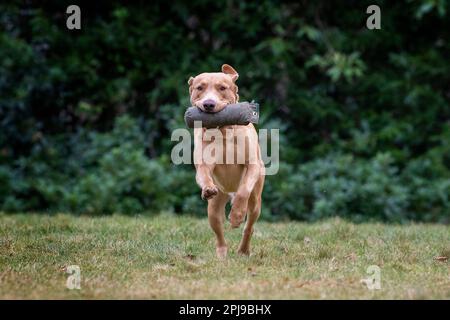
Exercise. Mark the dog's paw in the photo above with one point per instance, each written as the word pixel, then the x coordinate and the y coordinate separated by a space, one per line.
pixel 244 251
pixel 221 252
pixel 236 218
pixel 209 192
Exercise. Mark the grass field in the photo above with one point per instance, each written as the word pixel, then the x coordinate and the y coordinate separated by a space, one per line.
pixel 167 257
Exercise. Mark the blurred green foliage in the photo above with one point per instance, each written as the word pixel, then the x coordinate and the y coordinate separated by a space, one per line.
pixel 86 115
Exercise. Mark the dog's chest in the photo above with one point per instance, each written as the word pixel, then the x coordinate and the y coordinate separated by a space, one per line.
pixel 230 144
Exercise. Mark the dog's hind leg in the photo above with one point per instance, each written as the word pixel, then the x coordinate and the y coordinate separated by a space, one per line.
pixel 216 218
pixel 254 210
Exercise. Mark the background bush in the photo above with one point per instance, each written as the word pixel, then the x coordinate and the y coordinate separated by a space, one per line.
pixel 364 115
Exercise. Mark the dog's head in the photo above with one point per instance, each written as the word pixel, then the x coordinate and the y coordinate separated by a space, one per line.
pixel 212 91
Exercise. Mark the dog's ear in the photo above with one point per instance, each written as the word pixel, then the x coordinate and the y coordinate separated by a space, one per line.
pixel 190 81
pixel 227 69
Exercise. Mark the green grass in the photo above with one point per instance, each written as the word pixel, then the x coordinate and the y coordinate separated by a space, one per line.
pixel 167 257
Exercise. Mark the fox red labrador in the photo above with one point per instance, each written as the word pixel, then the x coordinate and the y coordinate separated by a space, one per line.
pixel 240 180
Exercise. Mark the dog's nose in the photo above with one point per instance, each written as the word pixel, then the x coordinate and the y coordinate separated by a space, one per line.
pixel 209 104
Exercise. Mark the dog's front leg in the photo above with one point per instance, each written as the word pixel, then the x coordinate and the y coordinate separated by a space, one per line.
pixel 240 201
pixel 204 169
pixel 205 181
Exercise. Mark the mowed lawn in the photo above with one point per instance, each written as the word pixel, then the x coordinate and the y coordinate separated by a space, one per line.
pixel 166 257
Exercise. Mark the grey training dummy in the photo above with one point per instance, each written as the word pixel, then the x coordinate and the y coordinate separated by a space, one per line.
pixel 241 113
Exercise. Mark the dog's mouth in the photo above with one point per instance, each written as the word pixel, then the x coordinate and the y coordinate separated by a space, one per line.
pixel 216 109
pixel 210 111
pixel 204 110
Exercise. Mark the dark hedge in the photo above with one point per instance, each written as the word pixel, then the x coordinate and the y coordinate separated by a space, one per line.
pixel 86 115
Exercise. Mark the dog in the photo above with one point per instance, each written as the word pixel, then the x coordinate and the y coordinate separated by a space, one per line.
pixel 220 181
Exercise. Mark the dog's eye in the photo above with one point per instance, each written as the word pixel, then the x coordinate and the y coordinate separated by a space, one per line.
pixel 222 88
pixel 199 88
